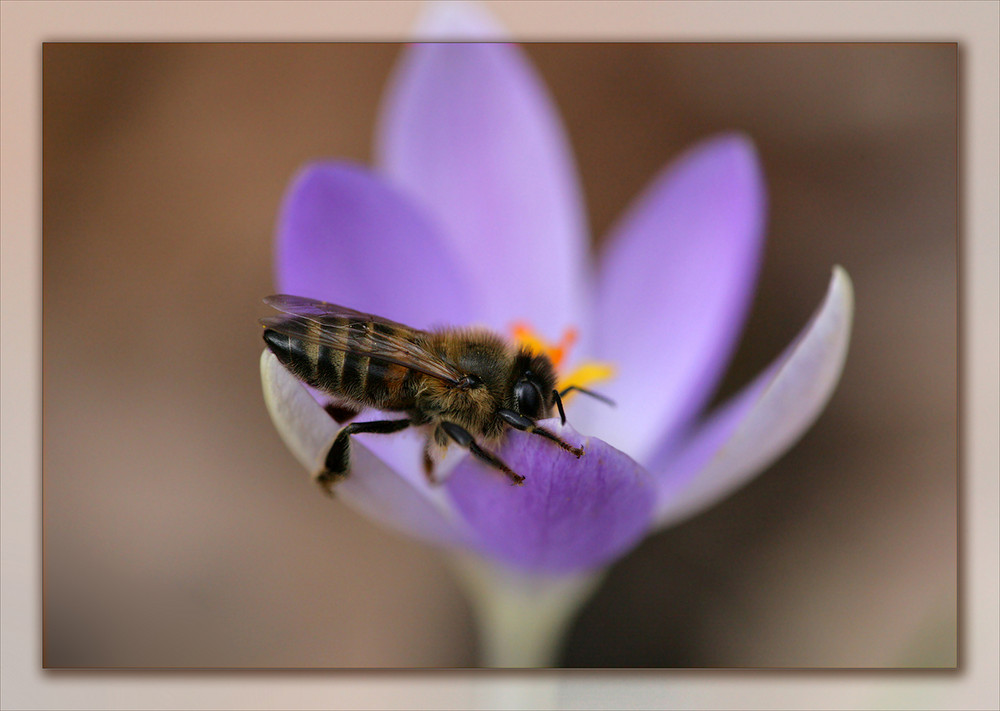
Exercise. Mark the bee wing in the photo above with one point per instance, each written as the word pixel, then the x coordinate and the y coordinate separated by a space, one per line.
pixel 316 322
pixel 302 306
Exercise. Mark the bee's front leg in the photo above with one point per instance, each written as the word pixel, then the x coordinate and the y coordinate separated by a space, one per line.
pixel 338 460
pixel 522 423
pixel 463 438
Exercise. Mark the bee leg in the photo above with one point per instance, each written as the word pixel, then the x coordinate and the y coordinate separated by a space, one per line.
pixel 340 413
pixel 326 480
pixel 429 463
pixel 338 459
pixel 522 423
pixel 558 398
pixel 438 439
pixel 465 439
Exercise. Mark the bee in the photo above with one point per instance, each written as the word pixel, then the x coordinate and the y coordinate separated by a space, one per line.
pixel 464 386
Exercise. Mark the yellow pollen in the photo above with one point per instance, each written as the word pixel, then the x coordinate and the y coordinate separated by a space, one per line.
pixel 582 376
pixel 585 375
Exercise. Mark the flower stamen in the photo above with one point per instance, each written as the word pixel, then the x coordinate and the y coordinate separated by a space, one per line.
pixel 582 376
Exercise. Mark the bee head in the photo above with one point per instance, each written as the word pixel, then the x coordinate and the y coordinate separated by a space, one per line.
pixel 535 380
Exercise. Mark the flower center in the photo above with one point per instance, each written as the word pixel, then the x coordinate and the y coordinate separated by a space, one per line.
pixel 582 376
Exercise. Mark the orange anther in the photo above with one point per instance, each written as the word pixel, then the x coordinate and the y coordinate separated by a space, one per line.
pixel 582 376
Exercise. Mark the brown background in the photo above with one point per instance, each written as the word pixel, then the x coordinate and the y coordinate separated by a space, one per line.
pixel 180 532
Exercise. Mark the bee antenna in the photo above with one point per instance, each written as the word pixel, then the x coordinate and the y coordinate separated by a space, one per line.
pixel 592 394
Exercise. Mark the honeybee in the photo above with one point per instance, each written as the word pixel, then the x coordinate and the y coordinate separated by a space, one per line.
pixel 465 386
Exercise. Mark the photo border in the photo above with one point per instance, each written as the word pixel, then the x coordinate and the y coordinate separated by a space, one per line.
pixel 24 26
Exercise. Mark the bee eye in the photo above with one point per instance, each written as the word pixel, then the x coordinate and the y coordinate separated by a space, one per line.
pixel 528 402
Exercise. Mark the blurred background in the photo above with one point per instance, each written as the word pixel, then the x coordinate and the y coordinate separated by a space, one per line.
pixel 179 531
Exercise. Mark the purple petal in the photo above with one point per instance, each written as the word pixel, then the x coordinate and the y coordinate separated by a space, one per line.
pixel 373 488
pixel 766 418
pixel 469 130
pixel 347 237
pixel 569 515
pixel 675 286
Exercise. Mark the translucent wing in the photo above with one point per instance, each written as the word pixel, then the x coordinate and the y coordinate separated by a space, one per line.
pixel 330 325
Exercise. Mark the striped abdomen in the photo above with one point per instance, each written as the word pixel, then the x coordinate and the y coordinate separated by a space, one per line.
pixel 348 371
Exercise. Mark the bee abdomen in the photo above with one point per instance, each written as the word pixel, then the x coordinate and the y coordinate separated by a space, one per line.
pixel 318 365
pixel 348 372
pixel 293 353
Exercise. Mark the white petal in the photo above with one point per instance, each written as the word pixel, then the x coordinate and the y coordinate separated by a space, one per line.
pixel 765 419
pixel 373 487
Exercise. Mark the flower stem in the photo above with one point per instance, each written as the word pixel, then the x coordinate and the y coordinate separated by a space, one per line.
pixel 522 619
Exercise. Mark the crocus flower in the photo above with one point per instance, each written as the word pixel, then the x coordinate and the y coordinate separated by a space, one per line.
pixel 473 215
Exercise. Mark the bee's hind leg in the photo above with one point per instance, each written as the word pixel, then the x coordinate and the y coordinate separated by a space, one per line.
pixel 338 459
pixel 341 413
pixel 464 439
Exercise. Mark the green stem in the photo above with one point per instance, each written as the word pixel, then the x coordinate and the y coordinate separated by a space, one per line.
pixel 522 619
